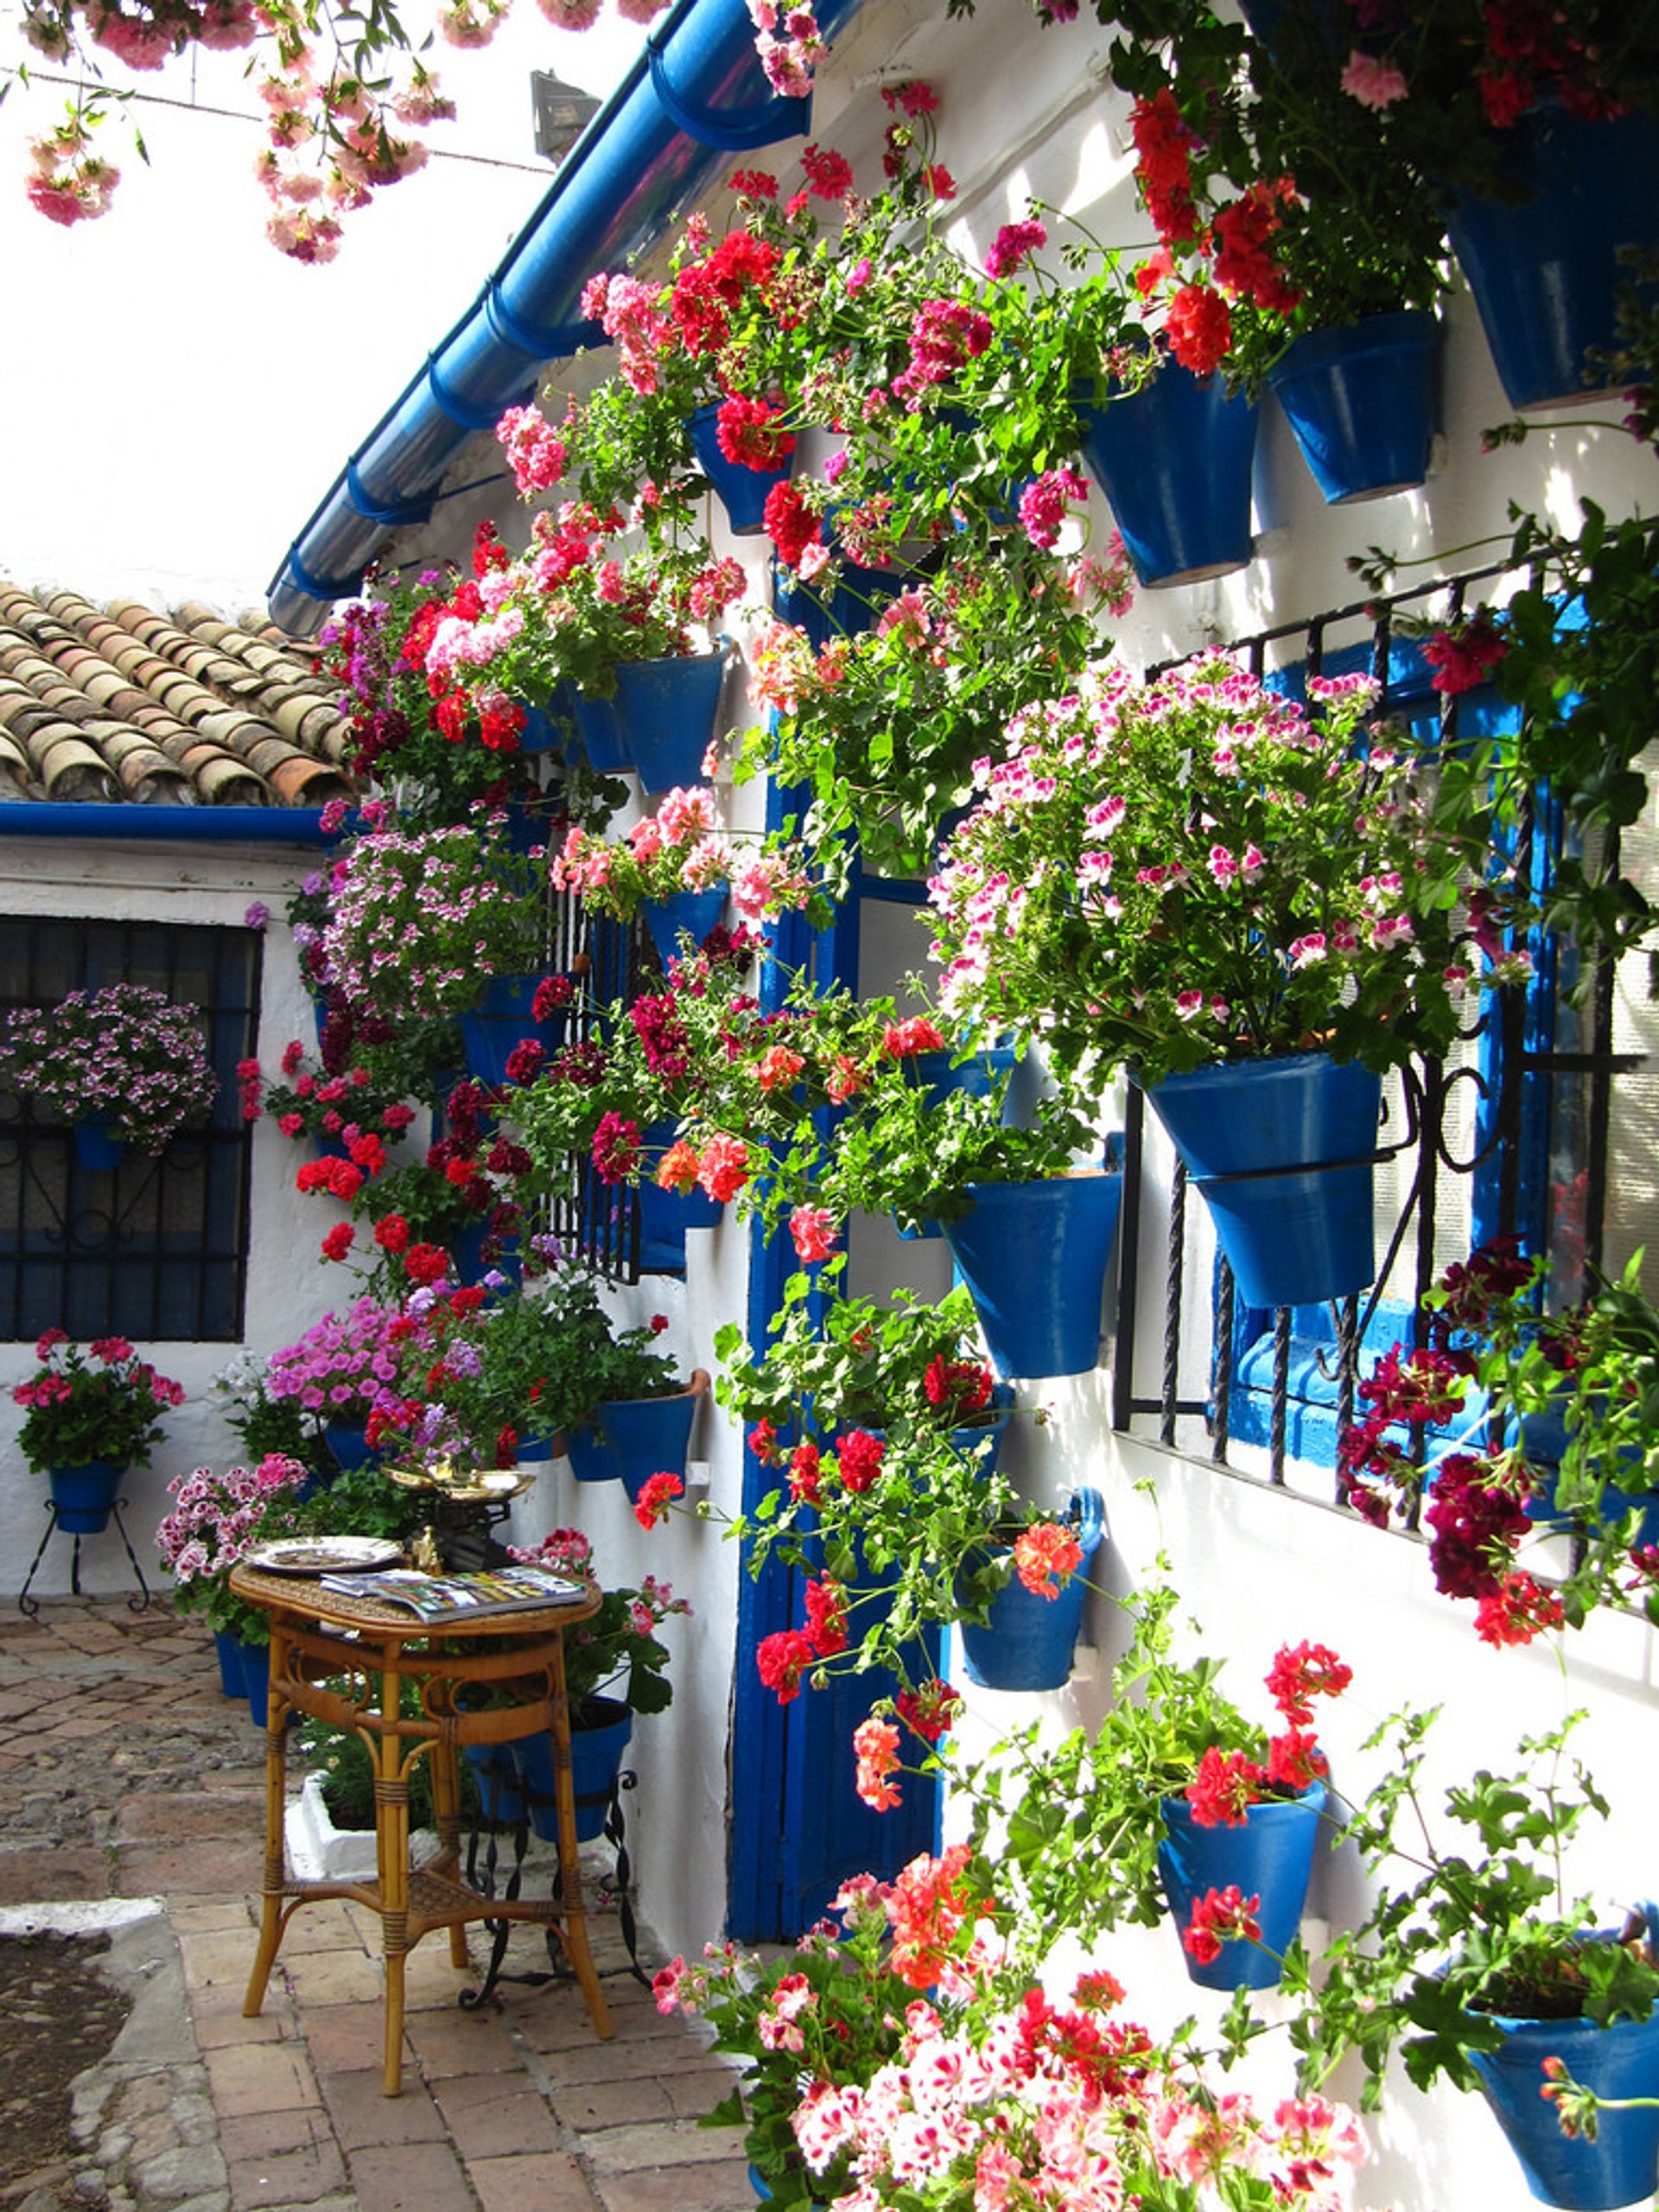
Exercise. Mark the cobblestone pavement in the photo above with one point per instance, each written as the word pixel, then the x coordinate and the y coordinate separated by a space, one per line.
pixel 132 1795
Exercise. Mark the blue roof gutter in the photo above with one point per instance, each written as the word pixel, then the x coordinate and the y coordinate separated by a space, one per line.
pixel 186 825
pixel 694 96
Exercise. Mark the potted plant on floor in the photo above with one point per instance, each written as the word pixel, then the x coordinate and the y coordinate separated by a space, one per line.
pixel 213 1522
pixel 1252 907
pixel 123 1065
pixel 88 1416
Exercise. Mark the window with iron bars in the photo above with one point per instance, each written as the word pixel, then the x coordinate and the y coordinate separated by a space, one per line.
pixel 156 1249
pixel 1537 1118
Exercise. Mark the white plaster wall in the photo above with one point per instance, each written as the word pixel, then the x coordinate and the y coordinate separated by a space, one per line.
pixel 288 1287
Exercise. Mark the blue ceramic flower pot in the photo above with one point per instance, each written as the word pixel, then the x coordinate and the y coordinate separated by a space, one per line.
pixel 98 1150
pixel 256 1681
pixel 1270 1856
pixel 599 725
pixel 1028 1642
pixel 1280 1150
pixel 1361 403
pixel 590 1456
pixel 977 1075
pixel 1034 1257
pixel 1175 460
pixel 596 1761
pixel 496 1773
pixel 846 608
pixel 688 913
pixel 466 1251
pixel 668 709
pixel 84 1494
pixel 1544 266
pixel 503 1020
pixel 544 729
pixel 348 1446
pixel 649 1436
pixel 740 490
pixel 227 1649
pixel 1621 2166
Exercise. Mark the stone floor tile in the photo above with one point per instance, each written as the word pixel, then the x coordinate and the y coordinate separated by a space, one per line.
pixel 298 2176
pixel 260 2077
pixel 345 2038
pixel 589 2104
pixel 723 2187
pixel 336 1977
pixel 659 2143
pixel 413 2177
pixel 225 1868
pixel 183 1819
pixel 365 2117
pixel 536 2182
pixel 458 2041
pixel 489 2113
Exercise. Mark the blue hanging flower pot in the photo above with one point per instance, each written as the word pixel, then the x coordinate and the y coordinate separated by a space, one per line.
pixel 1361 404
pixel 1621 2166
pixel 599 725
pixel 85 1495
pixel 496 1776
pixel 649 1436
pixel 1269 1857
pixel 98 1148
pixel 596 1761
pixel 668 710
pixel 1034 1257
pixel 1544 265
pixel 1175 460
pixel 687 913
pixel 544 729
pixel 846 608
pixel 590 1455
pixel 1028 1642
pixel 1282 1151
pixel 503 1020
pixel 742 490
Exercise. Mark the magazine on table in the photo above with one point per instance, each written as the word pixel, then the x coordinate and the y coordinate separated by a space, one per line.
pixel 448 1597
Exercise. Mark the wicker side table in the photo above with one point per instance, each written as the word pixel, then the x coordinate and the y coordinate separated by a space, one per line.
pixel 345 1661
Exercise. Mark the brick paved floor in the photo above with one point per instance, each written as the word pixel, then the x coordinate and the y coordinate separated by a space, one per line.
pixel 125 1774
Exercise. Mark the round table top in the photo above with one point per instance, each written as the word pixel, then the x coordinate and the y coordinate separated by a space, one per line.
pixel 303 1597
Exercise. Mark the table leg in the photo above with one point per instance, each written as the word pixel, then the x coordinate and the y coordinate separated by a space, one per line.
pixel 271 1916
pixel 445 1775
pixel 392 1850
pixel 573 1919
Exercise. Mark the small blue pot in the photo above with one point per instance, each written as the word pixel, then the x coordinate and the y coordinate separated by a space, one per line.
pixel 466 1252
pixel 348 1446
pixel 1544 267
pixel 496 1773
pixel 503 1020
pixel 84 1494
pixel 1271 1857
pixel 1174 459
pixel 1296 1232
pixel 1621 2166
pixel 1029 1642
pixel 590 1456
pixel 648 1436
pixel 668 710
pixel 98 1150
pixel 599 725
pixel 228 1650
pixel 853 604
pixel 256 1681
pixel 977 1075
pixel 742 490
pixel 688 913
pixel 1361 404
pixel 544 729
pixel 1034 1257
pixel 596 1761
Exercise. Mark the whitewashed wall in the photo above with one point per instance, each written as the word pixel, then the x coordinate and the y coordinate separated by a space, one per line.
pixel 288 1287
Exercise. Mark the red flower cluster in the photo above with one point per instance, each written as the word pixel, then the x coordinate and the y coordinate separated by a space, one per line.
pixel 790 522
pixel 929 1710
pixel 753 433
pixel 858 1455
pixel 1222 1916
pixel 655 1494
pixel 1163 146
pixel 1463 658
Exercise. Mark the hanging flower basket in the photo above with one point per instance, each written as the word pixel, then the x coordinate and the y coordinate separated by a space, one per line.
pixel 503 1020
pixel 99 1151
pixel 1175 460
pixel 599 725
pixel 1544 266
pixel 688 913
pixel 1270 1857
pixel 1029 1642
pixel 740 490
pixel 1621 2166
pixel 1034 1257
pixel 1282 1151
pixel 1361 404
pixel 667 710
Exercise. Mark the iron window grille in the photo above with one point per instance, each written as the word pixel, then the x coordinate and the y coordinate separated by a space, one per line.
pixel 157 1248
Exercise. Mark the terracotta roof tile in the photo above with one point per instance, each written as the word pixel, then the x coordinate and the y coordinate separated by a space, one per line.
pixel 121 703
